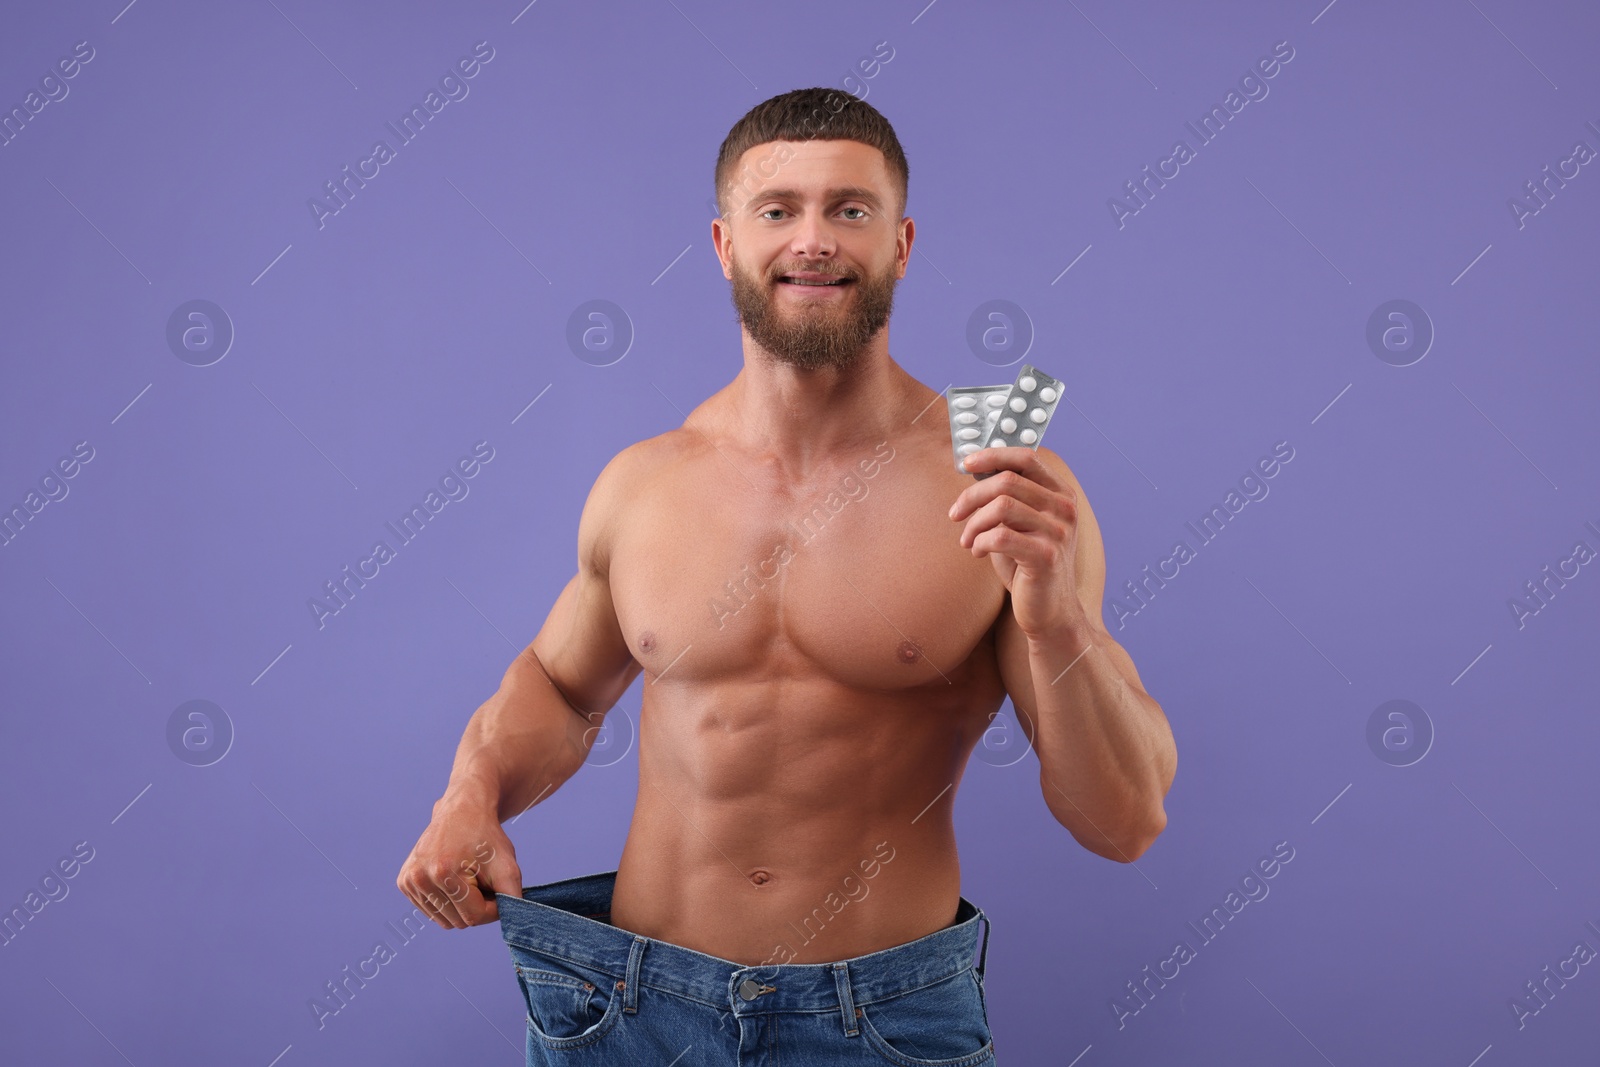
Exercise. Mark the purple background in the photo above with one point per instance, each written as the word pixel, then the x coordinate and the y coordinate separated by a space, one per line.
pixel 370 354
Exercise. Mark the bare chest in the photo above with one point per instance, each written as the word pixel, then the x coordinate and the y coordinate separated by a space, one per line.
pixel 859 579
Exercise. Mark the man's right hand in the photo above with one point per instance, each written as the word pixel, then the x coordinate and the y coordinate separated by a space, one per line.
pixel 461 860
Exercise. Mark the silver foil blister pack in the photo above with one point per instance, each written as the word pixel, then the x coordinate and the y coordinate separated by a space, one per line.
pixel 973 412
pixel 989 416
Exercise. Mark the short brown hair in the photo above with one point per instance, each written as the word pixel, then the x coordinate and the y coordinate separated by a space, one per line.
pixel 817 113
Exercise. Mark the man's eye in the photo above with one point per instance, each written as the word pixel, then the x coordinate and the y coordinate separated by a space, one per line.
pixel 861 212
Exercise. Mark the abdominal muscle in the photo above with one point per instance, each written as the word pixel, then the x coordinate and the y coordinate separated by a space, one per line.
pixel 804 828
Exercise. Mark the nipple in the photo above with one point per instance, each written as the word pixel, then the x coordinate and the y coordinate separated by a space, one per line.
pixel 647 641
pixel 908 652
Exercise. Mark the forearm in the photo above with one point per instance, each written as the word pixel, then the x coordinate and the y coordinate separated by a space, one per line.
pixel 1105 749
pixel 519 746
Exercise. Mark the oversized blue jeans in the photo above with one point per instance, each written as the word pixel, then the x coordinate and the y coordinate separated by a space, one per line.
pixel 597 994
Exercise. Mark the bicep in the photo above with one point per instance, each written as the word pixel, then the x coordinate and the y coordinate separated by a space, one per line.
pixel 581 646
pixel 1090 564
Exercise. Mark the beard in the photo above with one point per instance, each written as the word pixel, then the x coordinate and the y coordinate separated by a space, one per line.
pixel 814 337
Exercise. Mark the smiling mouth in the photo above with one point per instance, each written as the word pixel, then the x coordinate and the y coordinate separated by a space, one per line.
pixel 786 280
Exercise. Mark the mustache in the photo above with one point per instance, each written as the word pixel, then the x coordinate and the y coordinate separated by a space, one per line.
pixel 802 269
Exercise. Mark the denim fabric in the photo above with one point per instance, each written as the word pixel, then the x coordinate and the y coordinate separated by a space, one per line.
pixel 597 994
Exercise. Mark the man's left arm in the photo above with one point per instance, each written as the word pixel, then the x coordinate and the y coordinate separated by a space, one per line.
pixel 1106 752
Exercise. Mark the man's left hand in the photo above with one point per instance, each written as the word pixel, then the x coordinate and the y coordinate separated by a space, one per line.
pixel 1025 519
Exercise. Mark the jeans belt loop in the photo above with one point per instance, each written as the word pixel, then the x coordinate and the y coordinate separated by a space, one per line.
pixel 630 987
pixel 847 1003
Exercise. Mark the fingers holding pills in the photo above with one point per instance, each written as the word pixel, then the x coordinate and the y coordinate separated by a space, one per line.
pixel 1029 501
pixel 1019 512
pixel 1030 479
pixel 1006 513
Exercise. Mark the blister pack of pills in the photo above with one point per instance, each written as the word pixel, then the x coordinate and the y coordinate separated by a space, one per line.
pixel 1016 416
pixel 973 411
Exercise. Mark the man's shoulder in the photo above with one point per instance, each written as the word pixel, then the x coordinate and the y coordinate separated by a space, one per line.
pixel 642 460
pixel 627 476
pixel 624 481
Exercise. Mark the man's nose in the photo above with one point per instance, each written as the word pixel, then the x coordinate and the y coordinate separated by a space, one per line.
pixel 813 237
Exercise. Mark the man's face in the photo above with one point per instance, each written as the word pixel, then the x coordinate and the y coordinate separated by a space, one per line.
pixel 813 212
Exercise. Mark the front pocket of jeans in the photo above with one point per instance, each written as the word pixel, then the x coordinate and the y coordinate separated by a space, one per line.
pixel 569 1005
pixel 939 1025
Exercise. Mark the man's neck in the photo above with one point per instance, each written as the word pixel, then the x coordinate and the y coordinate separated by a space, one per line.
pixel 805 418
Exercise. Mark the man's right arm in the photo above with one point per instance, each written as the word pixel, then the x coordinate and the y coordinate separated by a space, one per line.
pixel 534 732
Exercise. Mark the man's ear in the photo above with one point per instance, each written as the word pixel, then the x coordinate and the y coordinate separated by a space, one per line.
pixel 719 234
pixel 908 234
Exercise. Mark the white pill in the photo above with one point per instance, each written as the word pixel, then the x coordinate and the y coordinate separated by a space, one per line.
pixel 967 450
pixel 1029 437
pixel 1008 425
pixel 965 401
pixel 1026 383
pixel 969 434
pixel 966 417
pixel 1037 415
pixel 1047 394
pixel 997 443
pixel 994 400
pixel 1018 404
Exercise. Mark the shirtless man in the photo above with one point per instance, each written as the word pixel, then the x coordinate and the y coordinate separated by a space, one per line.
pixel 827 616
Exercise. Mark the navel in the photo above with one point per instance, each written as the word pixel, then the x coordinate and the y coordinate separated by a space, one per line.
pixel 760 876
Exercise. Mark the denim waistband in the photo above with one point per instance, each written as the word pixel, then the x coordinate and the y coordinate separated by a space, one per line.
pixel 568 919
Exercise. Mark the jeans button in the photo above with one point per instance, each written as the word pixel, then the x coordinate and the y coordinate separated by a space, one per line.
pixel 749 989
